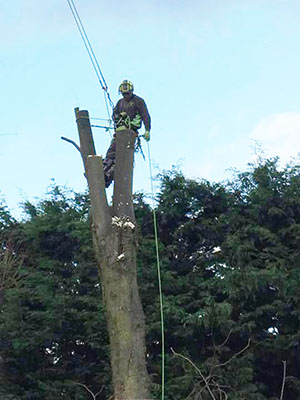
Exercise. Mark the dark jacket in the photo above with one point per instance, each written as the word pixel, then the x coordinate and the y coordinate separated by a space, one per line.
pixel 135 105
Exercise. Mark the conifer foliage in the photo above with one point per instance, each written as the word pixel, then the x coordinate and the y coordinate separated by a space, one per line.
pixel 230 269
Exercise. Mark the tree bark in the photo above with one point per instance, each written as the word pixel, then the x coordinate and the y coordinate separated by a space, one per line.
pixel 115 248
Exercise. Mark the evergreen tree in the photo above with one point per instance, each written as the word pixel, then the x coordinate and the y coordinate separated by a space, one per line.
pixel 230 270
pixel 52 327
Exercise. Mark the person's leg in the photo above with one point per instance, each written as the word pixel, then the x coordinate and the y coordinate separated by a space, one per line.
pixel 109 163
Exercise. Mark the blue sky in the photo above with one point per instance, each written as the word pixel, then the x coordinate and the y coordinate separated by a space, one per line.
pixel 217 75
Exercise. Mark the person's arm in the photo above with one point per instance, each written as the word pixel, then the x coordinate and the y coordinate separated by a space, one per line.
pixel 144 113
pixel 116 112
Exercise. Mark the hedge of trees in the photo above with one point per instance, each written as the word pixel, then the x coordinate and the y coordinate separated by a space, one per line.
pixel 230 260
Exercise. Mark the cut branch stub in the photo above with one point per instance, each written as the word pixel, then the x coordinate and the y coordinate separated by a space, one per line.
pixel 122 198
pixel 72 142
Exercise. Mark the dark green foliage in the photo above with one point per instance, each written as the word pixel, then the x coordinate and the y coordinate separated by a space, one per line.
pixel 233 276
pixel 52 325
pixel 230 267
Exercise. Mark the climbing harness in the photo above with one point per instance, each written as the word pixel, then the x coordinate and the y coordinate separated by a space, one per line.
pixel 123 122
pixel 159 282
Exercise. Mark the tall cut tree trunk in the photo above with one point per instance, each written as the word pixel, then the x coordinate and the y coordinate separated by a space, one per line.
pixel 115 247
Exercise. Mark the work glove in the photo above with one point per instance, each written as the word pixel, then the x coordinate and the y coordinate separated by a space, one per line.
pixel 146 136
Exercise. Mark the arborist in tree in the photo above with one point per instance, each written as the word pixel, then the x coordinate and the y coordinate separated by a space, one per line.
pixel 129 113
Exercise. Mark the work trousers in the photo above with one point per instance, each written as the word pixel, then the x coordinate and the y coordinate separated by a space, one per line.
pixel 110 157
pixel 110 160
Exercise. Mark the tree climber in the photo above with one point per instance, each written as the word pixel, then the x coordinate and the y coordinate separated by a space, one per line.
pixel 129 113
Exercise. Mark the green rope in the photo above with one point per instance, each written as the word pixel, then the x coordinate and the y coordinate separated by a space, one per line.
pixel 159 285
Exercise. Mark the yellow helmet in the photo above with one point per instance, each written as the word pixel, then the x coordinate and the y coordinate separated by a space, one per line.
pixel 126 87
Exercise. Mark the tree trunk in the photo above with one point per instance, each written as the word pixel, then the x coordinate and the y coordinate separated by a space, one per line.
pixel 115 247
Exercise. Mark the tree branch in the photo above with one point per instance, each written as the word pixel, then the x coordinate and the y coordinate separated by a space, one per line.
pixel 226 340
pixel 234 356
pixel 72 142
pixel 10 265
pixel 198 370
pixel 90 392
pixel 283 380
pixel 209 381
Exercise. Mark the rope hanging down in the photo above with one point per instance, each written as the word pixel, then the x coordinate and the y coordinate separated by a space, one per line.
pixel 92 56
pixel 159 284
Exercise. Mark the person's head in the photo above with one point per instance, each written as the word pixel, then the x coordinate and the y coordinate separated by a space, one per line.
pixel 126 89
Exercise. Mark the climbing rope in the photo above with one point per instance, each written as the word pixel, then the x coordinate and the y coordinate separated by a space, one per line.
pixel 159 283
pixel 105 127
pixel 92 56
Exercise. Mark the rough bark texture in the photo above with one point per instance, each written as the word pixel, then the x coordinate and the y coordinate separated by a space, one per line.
pixel 122 199
pixel 115 247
